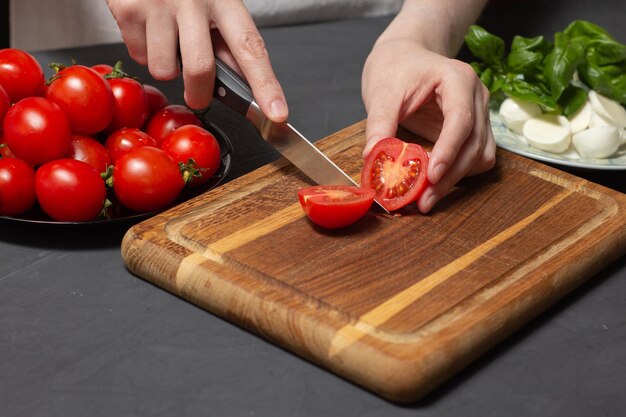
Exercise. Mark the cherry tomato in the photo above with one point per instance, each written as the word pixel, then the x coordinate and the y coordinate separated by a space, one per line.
pixel 396 170
pixel 17 186
pixel 69 190
pixel 89 150
pixel 85 97
pixel 5 105
pixel 102 69
pixel 5 151
pixel 194 145
pixel 125 139
pixel 131 104
pixel 20 74
pixel 168 119
pixel 156 99
pixel 146 179
pixel 335 206
pixel 37 130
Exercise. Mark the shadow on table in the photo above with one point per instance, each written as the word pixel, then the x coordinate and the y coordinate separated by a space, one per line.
pixel 67 238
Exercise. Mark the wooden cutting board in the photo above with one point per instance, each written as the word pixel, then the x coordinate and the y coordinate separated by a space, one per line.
pixel 394 303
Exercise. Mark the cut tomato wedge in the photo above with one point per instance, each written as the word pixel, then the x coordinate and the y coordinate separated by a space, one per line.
pixel 335 206
pixel 396 170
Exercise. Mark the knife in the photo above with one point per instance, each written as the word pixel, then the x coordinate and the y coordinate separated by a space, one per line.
pixel 234 92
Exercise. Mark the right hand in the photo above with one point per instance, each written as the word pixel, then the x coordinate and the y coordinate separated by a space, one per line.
pixel 153 30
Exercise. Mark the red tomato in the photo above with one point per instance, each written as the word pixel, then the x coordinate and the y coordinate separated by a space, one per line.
pixel 168 119
pixel 85 97
pixel 131 104
pixel 125 139
pixel 5 105
pixel 70 190
pixel 146 179
pixel 396 170
pixel 17 186
pixel 37 130
pixel 156 99
pixel 20 74
pixel 102 69
pixel 194 145
pixel 335 206
pixel 5 151
pixel 89 150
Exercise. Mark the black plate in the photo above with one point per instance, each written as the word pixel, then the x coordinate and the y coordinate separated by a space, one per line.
pixel 119 215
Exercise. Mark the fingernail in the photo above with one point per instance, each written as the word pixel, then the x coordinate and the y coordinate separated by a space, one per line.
pixel 278 109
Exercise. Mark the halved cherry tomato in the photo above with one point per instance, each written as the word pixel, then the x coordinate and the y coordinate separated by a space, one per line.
pixel 20 74
pixel 335 206
pixel 196 147
pixel 70 190
pixel 87 149
pixel 37 130
pixel 169 118
pixel 17 186
pixel 125 139
pixel 85 97
pixel 396 170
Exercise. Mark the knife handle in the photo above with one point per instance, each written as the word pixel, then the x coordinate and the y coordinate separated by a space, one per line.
pixel 231 89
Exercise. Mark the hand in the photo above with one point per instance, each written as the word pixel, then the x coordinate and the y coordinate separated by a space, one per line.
pixel 154 30
pixel 439 99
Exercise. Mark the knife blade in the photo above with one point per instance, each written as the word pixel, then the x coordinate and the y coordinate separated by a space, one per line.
pixel 234 92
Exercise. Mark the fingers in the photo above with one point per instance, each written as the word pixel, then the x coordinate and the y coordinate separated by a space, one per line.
pixel 476 155
pixel 132 24
pixel 196 52
pixel 382 120
pixel 154 35
pixel 162 45
pixel 463 112
pixel 247 46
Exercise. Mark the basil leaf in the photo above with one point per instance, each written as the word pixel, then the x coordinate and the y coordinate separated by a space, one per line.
pixel 527 54
pixel 572 100
pixel 605 68
pixel 485 46
pixel 536 93
pixel 562 62
pixel 587 30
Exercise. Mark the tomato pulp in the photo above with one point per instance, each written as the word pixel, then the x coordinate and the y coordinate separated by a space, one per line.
pixel 396 170
pixel 335 206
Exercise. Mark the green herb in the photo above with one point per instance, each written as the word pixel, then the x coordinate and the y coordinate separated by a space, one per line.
pixel 542 72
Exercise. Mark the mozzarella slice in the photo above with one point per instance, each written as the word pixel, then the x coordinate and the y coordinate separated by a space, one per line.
pixel 514 113
pixel 610 110
pixel 580 120
pixel 597 142
pixel 549 132
pixel 598 121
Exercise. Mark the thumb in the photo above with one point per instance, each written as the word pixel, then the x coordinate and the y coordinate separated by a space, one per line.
pixel 382 122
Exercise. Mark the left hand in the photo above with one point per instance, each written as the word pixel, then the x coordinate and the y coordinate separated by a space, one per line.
pixel 437 98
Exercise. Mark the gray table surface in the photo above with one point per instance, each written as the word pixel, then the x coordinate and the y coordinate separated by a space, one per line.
pixel 81 336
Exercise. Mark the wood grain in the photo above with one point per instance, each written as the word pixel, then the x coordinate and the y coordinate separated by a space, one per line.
pixel 395 303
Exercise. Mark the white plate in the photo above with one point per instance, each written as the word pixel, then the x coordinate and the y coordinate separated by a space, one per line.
pixel 513 142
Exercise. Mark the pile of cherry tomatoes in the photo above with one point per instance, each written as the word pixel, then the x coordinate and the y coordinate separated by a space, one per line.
pixel 90 137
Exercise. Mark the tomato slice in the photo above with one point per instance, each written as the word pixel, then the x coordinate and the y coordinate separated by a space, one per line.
pixel 396 170
pixel 335 206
